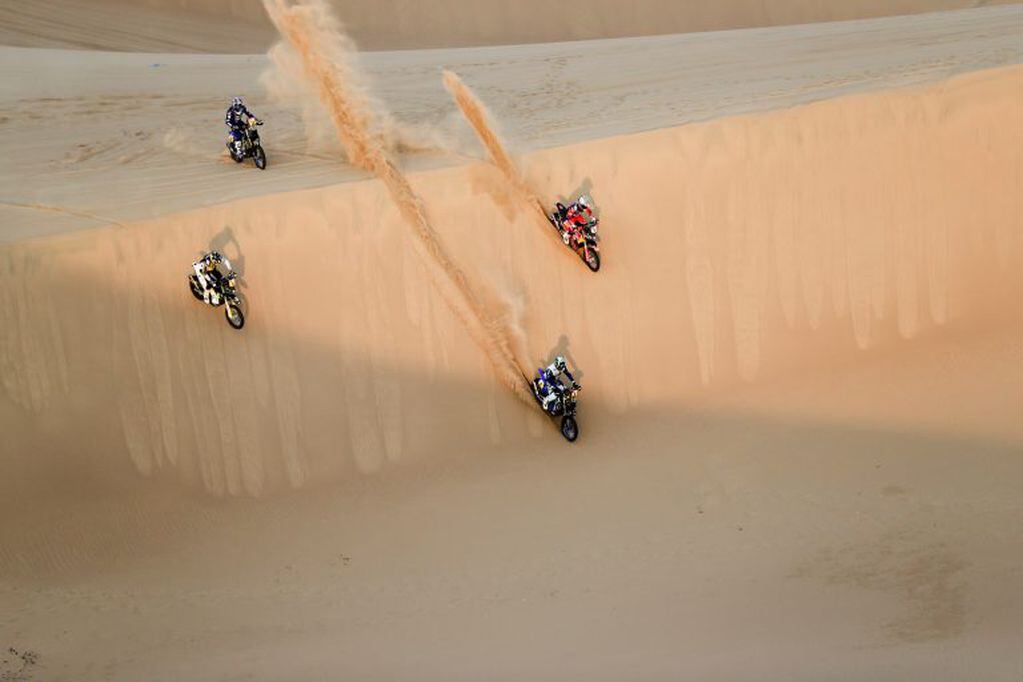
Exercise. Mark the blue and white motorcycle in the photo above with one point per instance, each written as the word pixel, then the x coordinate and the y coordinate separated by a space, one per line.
pixel 560 400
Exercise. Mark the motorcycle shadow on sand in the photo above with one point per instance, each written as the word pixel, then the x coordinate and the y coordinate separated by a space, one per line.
pixel 562 348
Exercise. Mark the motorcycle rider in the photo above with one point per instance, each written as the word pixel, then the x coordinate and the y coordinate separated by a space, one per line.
pixel 573 219
pixel 237 119
pixel 548 383
pixel 213 271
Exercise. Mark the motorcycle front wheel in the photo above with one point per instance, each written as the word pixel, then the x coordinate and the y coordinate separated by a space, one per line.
pixel 194 288
pixel 234 315
pixel 569 428
pixel 592 259
pixel 260 158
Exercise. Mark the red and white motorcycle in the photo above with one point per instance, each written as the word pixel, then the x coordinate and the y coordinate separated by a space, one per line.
pixel 578 234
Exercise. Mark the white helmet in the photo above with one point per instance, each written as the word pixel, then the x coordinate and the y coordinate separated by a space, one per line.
pixel 560 363
pixel 583 201
pixel 237 103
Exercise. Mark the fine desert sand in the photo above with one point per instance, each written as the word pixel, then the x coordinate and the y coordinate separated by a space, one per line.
pixel 801 441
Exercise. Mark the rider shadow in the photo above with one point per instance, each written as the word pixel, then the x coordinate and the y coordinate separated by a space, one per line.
pixel 562 348
pixel 586 187
pixel 221 241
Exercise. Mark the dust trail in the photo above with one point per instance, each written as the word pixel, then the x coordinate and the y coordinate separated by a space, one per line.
pixel 287 85
pixel 476 114
pixel 325 54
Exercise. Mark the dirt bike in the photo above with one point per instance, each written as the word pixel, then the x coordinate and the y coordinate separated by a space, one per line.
pixel 563 406
pixel 252 148
pixel 227 290
pixel 583 240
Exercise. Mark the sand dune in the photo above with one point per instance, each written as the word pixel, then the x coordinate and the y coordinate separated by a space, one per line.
pixel 221 26
pixel 371 398
pixel 753 278
pixel 800 434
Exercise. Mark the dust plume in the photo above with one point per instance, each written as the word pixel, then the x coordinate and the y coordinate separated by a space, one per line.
pixel 476 114
pixel 319 44
pixel 286 83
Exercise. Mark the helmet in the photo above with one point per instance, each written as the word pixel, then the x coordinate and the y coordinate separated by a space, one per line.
pixel 560 363
pixel 583 201
pixel 237 103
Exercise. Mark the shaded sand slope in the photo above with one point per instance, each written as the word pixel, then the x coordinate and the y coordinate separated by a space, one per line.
pixel 799 446
pixel 97 137
pixel 241 26
pixel 747 544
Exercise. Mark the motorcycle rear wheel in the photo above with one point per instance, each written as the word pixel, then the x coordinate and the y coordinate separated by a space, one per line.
pixel 569 428
pixel 234 315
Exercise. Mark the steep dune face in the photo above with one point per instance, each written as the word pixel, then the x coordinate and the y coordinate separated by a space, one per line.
pixel 735 250
pixel 232 27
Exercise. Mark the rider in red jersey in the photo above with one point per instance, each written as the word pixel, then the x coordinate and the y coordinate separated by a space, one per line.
pixel 573 219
